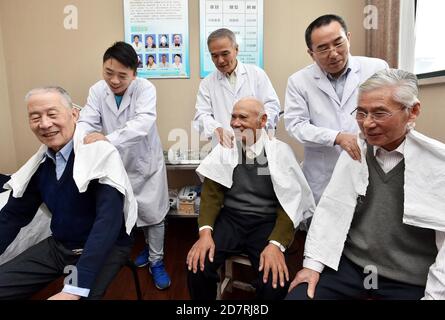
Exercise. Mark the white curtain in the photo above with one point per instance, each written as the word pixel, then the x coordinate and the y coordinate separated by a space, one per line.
pixel 407 36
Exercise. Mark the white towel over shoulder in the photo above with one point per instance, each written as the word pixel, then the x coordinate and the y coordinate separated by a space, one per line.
pixel 99 160
pixel 289 183
pixel 424 204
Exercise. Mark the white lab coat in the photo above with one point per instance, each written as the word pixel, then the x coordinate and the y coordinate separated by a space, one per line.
pixel 216 97
pixel 288 181
pixel 424 205
pixel 132 130
pixel 314 115
pixel 94 161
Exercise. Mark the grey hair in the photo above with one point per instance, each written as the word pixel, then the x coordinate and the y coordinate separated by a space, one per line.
pixel 405 83
pixel 222 33
pixel 66 99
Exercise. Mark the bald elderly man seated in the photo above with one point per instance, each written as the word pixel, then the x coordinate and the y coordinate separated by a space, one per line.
pixel 254 196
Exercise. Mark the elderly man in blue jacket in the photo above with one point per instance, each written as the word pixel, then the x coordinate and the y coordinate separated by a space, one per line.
pixel 88 231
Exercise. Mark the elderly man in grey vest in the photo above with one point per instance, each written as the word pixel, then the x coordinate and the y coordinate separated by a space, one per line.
pixel 379 224
pixel 254 195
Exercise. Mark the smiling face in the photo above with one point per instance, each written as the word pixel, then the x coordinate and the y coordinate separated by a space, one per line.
pixel 224 54
pixel 391 132
pixel 246 122
pixel 117 76
pixel 328 37
pixel 50 120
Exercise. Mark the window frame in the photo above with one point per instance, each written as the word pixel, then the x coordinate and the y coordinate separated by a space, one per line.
pixel 428 77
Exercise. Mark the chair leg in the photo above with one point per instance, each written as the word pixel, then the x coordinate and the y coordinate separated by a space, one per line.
pixel 228 280
pixel 134 270
pixel 218 285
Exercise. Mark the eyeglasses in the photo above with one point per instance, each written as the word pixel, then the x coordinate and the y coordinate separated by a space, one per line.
pixel 379 116
pixel 326 52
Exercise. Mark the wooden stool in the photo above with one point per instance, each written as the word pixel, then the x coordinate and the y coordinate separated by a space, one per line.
pixel 227 282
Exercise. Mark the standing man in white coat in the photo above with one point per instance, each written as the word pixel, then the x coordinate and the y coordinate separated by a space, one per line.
pixel 232 80
pixel 122 109
pixel 320 98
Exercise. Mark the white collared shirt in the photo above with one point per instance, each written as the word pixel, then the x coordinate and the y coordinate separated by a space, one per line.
pixel 255 149
pixel 232 77
pixel 389 159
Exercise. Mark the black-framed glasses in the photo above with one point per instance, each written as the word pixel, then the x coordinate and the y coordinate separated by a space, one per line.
pixel 378 116
pixel 326 52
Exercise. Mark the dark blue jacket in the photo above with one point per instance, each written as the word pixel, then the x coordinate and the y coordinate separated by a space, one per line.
pixel 92 220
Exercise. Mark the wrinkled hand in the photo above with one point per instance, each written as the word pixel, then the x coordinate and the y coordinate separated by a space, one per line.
pixel 272 260
pixel 64 296
pixel 93 137
pixel 225 137
pixel 348 142
pixel 199 250
pixel 309 276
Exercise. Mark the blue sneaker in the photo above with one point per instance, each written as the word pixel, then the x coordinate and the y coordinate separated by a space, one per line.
pixel 142 259
pixel 160 277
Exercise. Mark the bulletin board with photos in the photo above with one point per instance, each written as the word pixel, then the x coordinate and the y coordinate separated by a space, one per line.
pixel 158 31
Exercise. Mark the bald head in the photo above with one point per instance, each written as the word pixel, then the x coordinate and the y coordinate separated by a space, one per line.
pixel 248 118
pixel 251 104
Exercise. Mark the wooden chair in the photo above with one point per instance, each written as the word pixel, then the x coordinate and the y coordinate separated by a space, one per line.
pixel 134 270
pixel 227 281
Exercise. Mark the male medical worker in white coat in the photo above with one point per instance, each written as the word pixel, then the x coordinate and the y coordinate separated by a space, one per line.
pixel 232 80
pixel 122 109
pixel 320 98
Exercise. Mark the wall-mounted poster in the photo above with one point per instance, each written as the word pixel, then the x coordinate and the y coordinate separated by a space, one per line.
pixel 244 18
pixel 158 31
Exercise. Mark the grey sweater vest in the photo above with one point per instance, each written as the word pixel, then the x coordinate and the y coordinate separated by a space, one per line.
pixel 252 190
pixel 378 236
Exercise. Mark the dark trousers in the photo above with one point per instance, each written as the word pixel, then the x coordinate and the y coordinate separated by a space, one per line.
pixel 348 283
pixel 3 179
pixel 36 267
pixel 236 233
